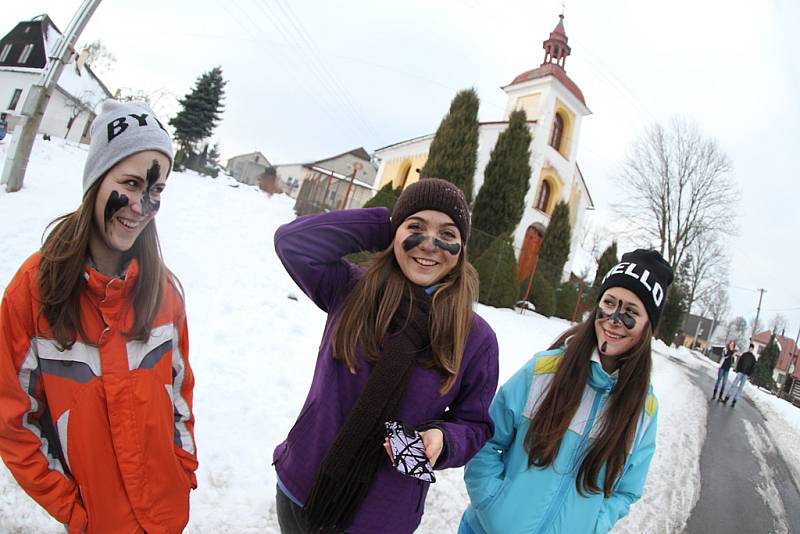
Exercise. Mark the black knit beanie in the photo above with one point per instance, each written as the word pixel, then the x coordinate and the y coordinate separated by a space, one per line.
pixel 433 194
pixel 647 274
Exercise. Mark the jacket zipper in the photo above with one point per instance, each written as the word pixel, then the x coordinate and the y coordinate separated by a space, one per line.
pixel 556 503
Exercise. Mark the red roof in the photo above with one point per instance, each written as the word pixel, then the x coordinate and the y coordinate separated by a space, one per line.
pixel 787 348
pixel 550 69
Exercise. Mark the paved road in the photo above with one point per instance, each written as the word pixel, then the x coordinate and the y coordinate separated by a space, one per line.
pixel 741 473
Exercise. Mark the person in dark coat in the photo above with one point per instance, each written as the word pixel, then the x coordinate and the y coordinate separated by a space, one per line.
pixel 744 368
pixel 724 367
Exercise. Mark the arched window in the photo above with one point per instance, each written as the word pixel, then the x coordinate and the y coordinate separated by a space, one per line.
pixel 544 197
pixel 558 132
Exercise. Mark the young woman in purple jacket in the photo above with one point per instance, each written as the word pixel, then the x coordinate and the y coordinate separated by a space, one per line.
pixel 401 343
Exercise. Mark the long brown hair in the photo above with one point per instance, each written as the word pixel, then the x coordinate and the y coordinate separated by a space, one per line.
pixel 63 261
pixel 563 396
pixel 370 306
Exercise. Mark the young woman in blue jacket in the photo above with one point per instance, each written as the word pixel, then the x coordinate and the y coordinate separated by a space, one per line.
pixel 575 427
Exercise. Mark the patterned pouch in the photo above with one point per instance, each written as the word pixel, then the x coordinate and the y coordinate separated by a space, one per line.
pixel 409 451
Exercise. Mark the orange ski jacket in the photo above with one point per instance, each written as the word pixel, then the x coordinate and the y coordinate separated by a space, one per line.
pixel 100 435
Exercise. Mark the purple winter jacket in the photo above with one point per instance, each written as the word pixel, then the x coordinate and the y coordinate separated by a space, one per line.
pixel 312 250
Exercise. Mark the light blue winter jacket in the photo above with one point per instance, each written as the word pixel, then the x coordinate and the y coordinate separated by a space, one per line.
pixel 507 497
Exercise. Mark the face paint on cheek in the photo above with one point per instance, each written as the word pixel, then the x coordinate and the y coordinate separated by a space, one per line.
pixel 414 240
pixel 604 347
pixel 114 203
pixel 148 205
pixel 453 248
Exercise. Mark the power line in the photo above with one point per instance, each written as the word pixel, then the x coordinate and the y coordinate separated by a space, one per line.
pixel 310 59
pixel 289 13
pixel 288 64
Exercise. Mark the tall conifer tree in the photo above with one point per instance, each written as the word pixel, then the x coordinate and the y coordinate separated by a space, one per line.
pixel 200 110
pixel 765 365
pixel 554 251
pixel 501 199
pixel 454 150
pixel 497 269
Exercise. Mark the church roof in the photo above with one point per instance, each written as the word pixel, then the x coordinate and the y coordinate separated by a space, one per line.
pixel 550 69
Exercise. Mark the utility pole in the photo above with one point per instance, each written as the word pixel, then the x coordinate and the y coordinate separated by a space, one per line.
pixel 758 313
pixel 33 109
pixel 356 167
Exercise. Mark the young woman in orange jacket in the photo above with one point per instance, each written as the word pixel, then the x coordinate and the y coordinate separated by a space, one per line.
pixel 96 416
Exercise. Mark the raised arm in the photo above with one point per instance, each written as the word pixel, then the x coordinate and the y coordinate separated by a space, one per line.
pixel 312 249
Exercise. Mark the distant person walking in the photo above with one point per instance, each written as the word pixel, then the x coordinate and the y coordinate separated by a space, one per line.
pixel 3 126
pixel 744 368
pixel 724 367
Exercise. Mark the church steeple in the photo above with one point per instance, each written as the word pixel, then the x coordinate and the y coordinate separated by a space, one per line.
pixel 556 48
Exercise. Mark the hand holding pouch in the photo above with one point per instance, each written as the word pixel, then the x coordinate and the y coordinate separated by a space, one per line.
pixel 409 451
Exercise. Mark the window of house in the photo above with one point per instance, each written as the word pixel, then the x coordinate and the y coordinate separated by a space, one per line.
pixel 557 132
pixel 26 53
pixel 543 198
pixel 15 99
pixel 4 53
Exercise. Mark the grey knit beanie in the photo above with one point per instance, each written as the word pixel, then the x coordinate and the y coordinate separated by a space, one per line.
pixel 123 129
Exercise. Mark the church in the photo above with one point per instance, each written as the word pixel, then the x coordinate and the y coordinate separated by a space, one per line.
pixel 555 107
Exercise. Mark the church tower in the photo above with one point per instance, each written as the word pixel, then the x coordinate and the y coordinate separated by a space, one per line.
pixel 556 105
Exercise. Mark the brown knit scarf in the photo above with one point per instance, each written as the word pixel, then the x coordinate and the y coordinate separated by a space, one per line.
pixel 346 473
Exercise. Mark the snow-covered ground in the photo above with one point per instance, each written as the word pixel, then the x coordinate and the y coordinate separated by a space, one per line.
pixel 253 349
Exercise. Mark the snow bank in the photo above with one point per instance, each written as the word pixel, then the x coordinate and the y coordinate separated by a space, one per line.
pixel 254 338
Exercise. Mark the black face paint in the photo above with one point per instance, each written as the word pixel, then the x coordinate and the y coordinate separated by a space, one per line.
pixel 627 320
pixel 453 248
pixel 148 205
pixel 114 203
pixel 415 240
pixel 604 347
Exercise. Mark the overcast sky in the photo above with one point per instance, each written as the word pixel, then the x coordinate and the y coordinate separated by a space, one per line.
pixel 307 80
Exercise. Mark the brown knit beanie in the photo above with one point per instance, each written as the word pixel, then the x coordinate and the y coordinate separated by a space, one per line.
pixel 433 194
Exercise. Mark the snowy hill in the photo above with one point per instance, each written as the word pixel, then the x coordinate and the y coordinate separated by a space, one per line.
pixel 253 352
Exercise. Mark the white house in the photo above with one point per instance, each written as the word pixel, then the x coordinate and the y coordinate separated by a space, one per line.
pixel 248 168
pixel 555 107
pixel 24 56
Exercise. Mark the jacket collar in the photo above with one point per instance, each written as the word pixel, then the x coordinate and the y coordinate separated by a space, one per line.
pixel 598 378
pixel 107 287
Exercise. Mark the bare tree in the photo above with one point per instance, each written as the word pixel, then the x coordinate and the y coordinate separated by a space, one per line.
pixel 161 101
pixel 716 305
pixel 778 324
pixel 77 105
pixel 98 56
pixel 676 185
pixel 707 269
pixel 737 330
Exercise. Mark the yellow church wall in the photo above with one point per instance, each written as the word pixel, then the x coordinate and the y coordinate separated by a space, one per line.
pixel 531 104
pixel 569 127
pixel 403 171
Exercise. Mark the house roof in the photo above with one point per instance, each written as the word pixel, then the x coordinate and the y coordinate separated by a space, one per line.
pixel 359 152
pixel 421 137
pixel 585 187
pixel 787 344
pixel 77 81
pixel 550 69
pixel 239 156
